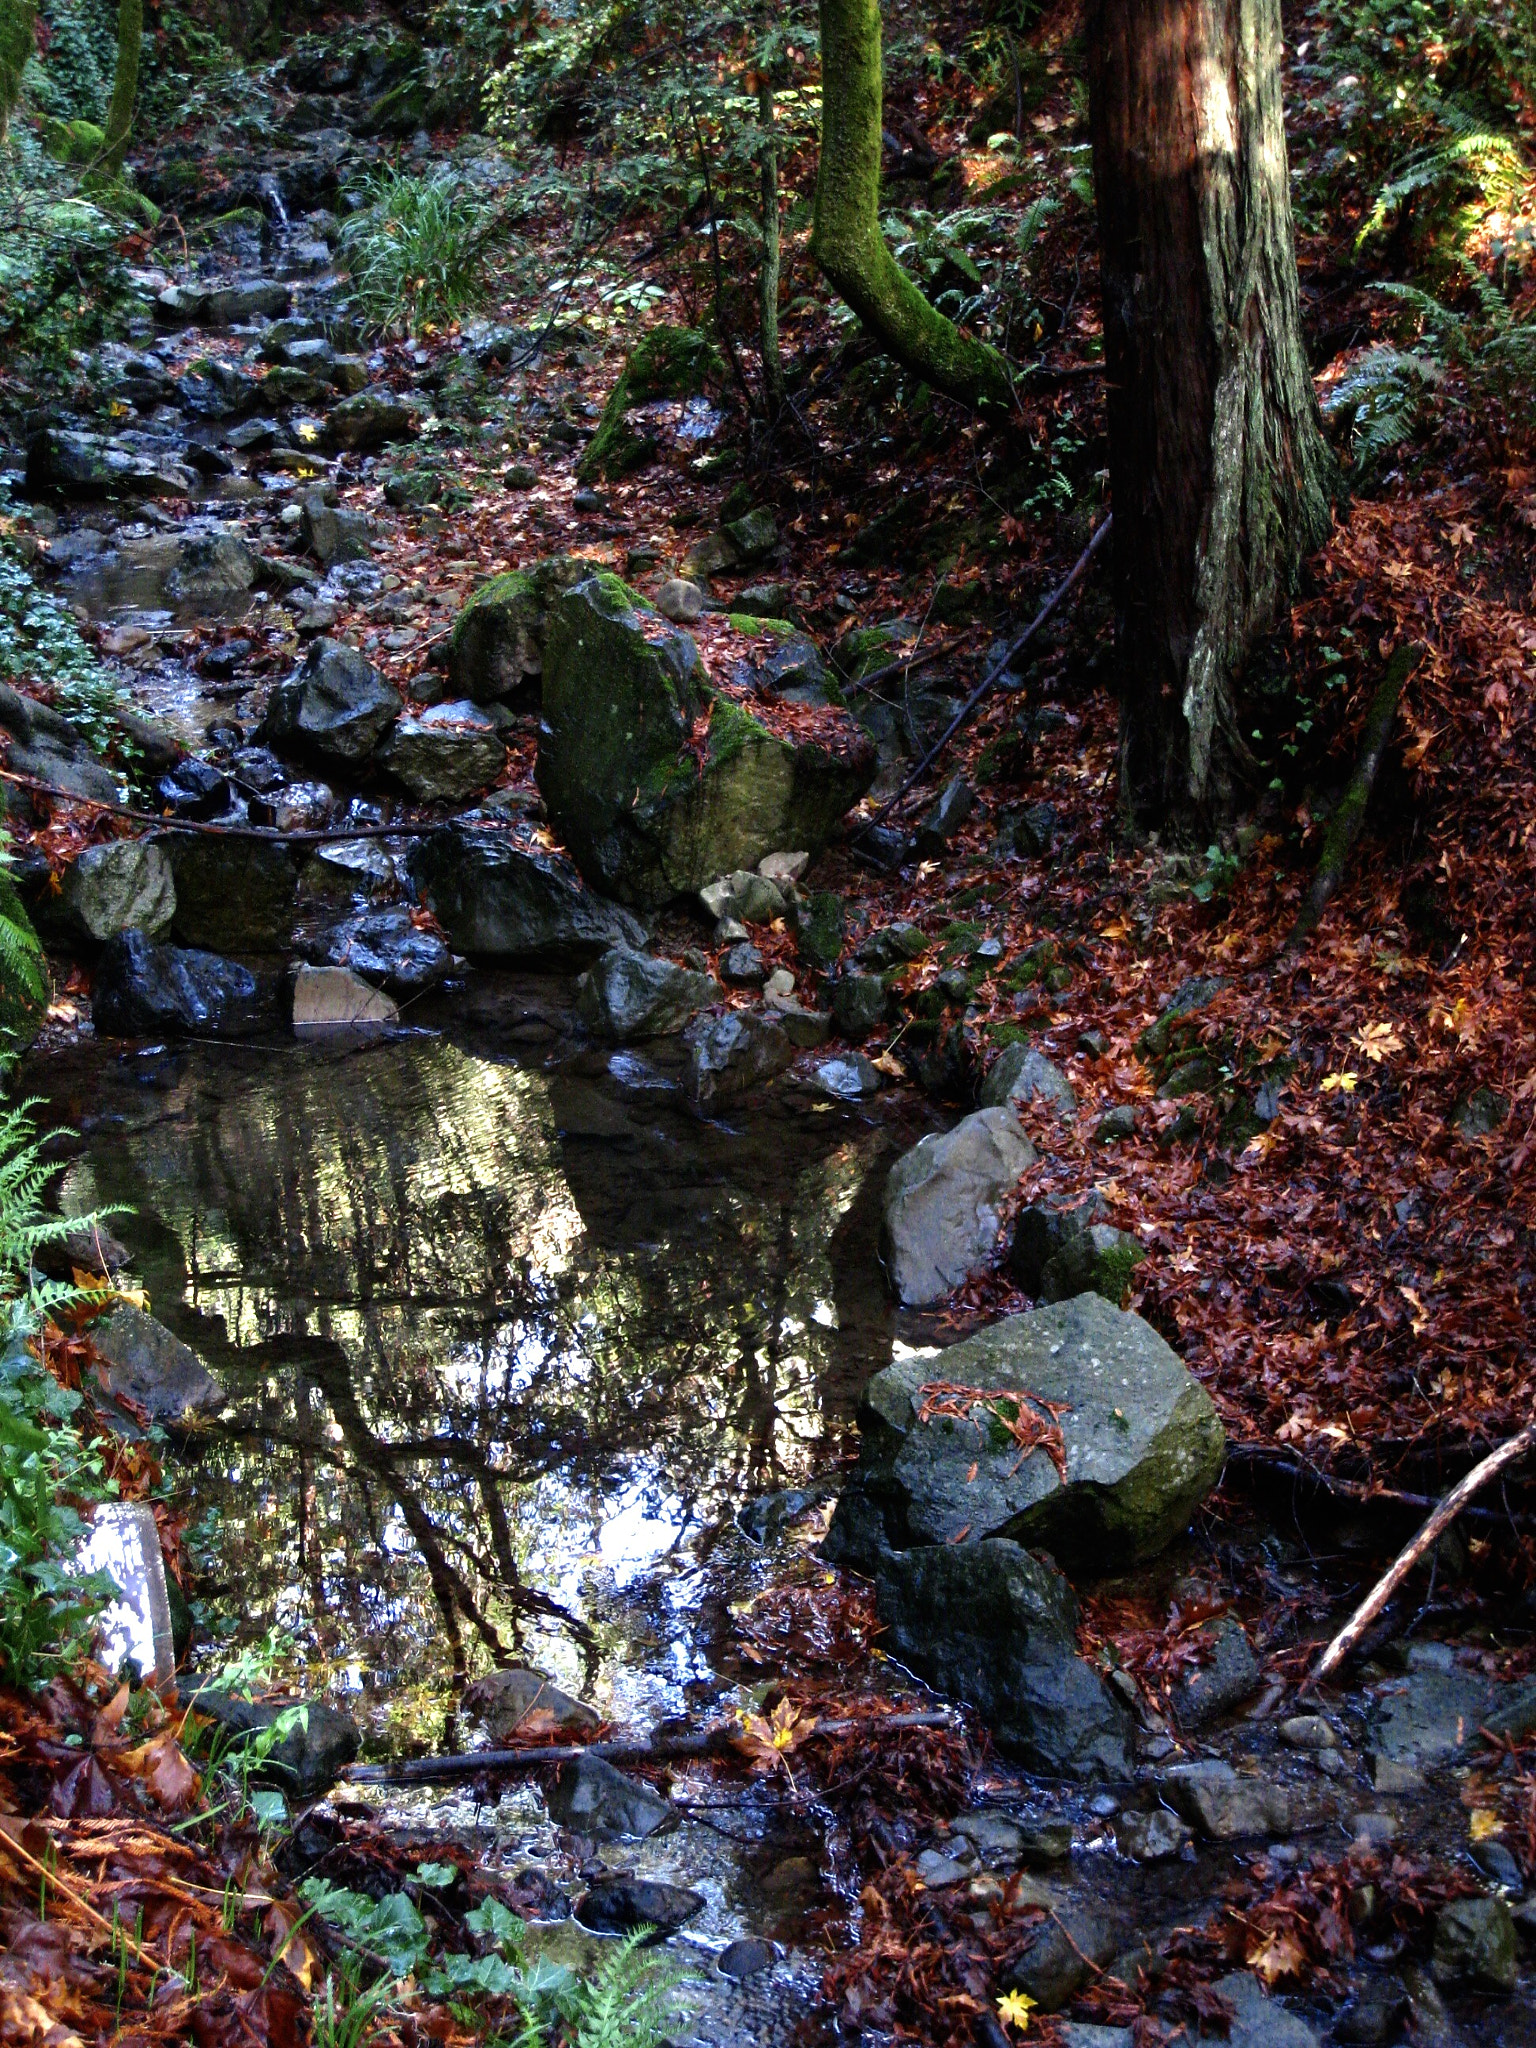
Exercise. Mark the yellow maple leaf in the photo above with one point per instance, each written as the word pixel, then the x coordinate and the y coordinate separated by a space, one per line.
pixel 1343 1083
pixel 1275 1956
pixel 1483 1823
pixel 1015 2007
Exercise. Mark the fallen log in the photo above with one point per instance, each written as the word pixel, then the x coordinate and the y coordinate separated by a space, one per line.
pixel 715 1740
pixel 1349 1635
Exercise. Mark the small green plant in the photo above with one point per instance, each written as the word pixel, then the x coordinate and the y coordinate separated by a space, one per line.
pixel 625 2005
pixel 1221 871
pixel 417 252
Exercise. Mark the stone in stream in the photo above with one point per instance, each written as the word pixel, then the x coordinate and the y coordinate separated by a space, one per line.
pixel 1260 2021
pixel 592 1798
pixel 1475 1947
pixel 1059 1955
pixel 193 789
pixel 859 1004
pixel 942 1202
pixel 497 642
pixel 746 1956
pixel 1230 1675
pixel 1152 1837
pixel 627 995
pixel 656 782
pixel 1431 1716
pixel 1223 1806
pixel 305 1762
pixel 141 990
pixel 369 419
pixel 849 1077
pixel 384 947
pixel 212 565
pixel 333 534
pixel 335 999
pixel 987 1623
pixel 77 464
pixel 446 754
pixel 518 905
pixel 517 1701
pixel 252 298
pixel 125 885
pixel 338 706
pixel 1021 1074
pixel 731 1056
pixel 619 1904
pixel 1141 1444
pixel 151 1366
pixel 233 895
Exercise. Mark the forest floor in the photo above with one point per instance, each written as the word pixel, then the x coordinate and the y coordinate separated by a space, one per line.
pixel 1328 1163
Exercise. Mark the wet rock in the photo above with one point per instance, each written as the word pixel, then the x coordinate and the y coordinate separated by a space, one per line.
pixel 211 567
pixel 1118 1123
pixel 622 702
pixel 305 1762
pixel 993 1835
pixel 333 534
pixel 82 465
pixel 141 990
pixel 731 1055
pixel 193 789
pixel 956 802
pixel 617 1905
pixel 302 806
pixel 518 1701
pixel 1224 1807
pixel 386 948
pixel 937 1872
pixel 1152 1837
pixel 497 641
pixel 858 1004
pixel 1261 2021
pixel 1230 1676
pixel 823 930
pixel 236 305
pixel 795 672
pixel 666 363
pixel 517 905
pixel 150 1366
pixel 942 1203
pixel 747 1956
pixel 1141 1440
pixel 850 1077
pixel 1307 1731
pixel 1430 2025
pixel 1499 1865
pixel 124 886
pixel 742 967
pixel 370 419
pixel 1058 1958
pixel 628 995
pixel 747 895
pixel 336 999
pixel 805 1029
pixel 447 754
pixel 1432 1715
pixel 1062 1250
pixel 754 535
pixel 232 895
pixel 592 1798
pixel 987 1623
pixel 1021 1074
pixel 680 601
pixel 338 706
pixel 1475 1946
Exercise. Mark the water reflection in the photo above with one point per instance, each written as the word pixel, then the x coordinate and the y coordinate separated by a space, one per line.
pixel 508 1347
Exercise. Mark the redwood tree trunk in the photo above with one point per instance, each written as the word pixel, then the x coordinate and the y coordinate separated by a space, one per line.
pixel 1220 474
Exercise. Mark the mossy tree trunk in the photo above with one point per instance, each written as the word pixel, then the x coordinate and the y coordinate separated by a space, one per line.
pixel 1220 473
pixel 125 84
pixel 18 20
pixel 846 239
pixel 768 275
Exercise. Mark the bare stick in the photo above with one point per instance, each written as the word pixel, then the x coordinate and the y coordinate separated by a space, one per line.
pixel 1403 1564
pixel 999 667
pixel 167 823
pixel 469 1763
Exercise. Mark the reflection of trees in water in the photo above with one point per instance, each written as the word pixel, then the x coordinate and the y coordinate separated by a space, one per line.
pixel 458 1304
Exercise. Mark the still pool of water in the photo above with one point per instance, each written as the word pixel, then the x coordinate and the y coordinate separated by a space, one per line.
pixel 508 1344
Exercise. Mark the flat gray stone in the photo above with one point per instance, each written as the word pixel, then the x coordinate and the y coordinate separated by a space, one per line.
pixel 1432 1715
pixel 590 1797
pixel 1261 2021
pixel 1022 1073
pixel 335 999
pixel 154 1368
pixel 943 1203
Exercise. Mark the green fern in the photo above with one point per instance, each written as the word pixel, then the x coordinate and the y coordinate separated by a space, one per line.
pixel 24 985
pixel 625 2005
pixel 1470 152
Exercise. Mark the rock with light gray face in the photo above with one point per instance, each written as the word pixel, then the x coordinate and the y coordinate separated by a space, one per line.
pixel 943 1202
pixel 153 1368
pixel 628 995
pixel 730 1056
pixel 123 886
pixel 1023 1074
pixel 447 754
pixel 1140 1442
pixel 338 706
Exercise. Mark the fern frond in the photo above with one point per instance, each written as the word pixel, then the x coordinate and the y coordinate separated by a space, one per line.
pixel 1470 152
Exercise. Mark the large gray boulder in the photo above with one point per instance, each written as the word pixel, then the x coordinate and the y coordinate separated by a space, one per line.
pixel 730 1056
pixel 986 1623
pixel 233 895
pixel 942 1202
pixel 628 995
pixel 141 990
pixel 497 642
pixel 1022 1074
pixel 150 1366
pixel 1140 1441
pixel 338 706
pixel 655 781
pixel 515 904
pixel 125 885
pixel 447 754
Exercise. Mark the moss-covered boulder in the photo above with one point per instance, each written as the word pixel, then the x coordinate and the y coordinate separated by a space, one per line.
pixel 498 638
pixel 74 142
pixel 655 781
pixel 669 362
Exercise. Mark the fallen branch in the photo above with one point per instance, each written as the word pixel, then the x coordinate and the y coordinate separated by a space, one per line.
pixel 1345 824
pixel 715 1740
pixel 309 836
pixel 999 668
pixel 1403 1564
pixel 1244 1461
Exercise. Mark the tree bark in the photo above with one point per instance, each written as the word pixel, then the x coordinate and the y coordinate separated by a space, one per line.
pixel 845 237
pixel 125 84
pixel 1220 474
pixel 768 275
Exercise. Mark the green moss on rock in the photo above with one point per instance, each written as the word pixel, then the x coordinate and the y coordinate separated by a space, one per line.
pixel 669 362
